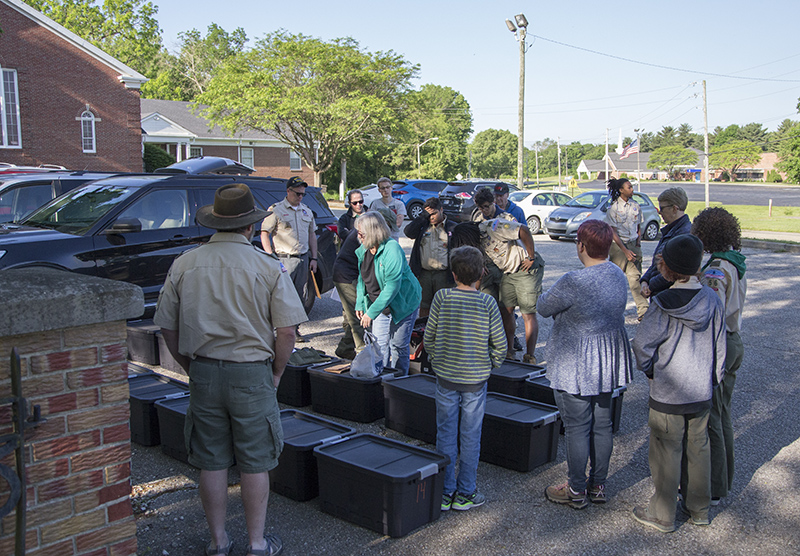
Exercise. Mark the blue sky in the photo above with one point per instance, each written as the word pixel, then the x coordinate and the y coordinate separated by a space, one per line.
pixel 570 93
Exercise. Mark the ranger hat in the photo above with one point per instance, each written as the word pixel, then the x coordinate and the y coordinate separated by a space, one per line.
pixel 683 254
pixel 233 208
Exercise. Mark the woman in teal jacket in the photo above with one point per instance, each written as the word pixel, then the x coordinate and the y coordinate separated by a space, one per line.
pixel 388 293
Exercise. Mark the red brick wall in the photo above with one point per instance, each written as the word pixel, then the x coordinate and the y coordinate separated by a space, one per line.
pixel 78 462
pixel 55 81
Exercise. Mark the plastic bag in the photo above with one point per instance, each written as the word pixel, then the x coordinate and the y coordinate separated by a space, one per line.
pixel 369 361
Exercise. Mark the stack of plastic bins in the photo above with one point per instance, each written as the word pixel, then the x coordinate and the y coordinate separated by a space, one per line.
pixel 381 484
pixel 518 434
pixel 145 391
pixel 296 474
pixel 510 377
pixel 295 386
pixel 171 423
pixel 411 406
pixel 165 358
pixel 345 396
pixel 143 342
pixel 538 389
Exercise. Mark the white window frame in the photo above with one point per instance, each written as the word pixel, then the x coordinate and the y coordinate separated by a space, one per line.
pixel 9 109
pixel 295 161
pixel 88 134
pixel 248 157
pixel 195 152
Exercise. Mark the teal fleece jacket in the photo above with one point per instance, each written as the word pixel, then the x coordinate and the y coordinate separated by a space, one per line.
pixel 400 290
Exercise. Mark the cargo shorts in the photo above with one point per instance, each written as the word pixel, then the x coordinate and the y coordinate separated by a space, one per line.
pixel 522 289
pixel 233 411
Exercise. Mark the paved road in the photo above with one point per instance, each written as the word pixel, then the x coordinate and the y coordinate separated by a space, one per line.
pixel 759 517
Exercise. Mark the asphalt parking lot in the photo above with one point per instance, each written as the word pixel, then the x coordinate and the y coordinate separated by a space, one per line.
pixel 759 517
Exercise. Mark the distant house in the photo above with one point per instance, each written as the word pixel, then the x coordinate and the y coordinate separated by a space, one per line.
pixel 64 101
pixel 759 172
pixel 635 166
pixel 178 129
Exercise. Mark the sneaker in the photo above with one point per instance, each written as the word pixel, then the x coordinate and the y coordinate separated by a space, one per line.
pixel 530 359
pixel 563 494
pixel 517 344
pixel 715 500
pixel 695 519
pixel 463 502
pixel 512 355
pixel 298 338
pixel 597 494
pixel 640 514
pixel 447 501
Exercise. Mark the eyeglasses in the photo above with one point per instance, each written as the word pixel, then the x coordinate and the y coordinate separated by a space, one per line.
pixel 297 192
pixel 486 207
pixel 665 207
pixel 356 202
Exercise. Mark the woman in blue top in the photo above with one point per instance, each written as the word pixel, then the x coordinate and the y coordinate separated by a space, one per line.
pixel 388 293
pixel 588 356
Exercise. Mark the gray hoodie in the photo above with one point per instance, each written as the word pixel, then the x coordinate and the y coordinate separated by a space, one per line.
pixel 680 345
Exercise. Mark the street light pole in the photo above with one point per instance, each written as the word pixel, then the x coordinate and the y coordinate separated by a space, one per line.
pixel 520 31
pixel 419 164
pixel 638 171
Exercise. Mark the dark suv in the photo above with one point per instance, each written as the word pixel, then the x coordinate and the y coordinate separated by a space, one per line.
pixel 458 198
pixel 132 227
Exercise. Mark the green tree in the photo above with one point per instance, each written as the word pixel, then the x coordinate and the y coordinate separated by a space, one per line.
pixel 647 142
pixel 789 153
pixel 723 136
pixel 667 137
pixel 494 154
pixel 318 97
pixel 155 157
pixel 755 133
pixel 670 157
pixel 125 29
pixel 733 155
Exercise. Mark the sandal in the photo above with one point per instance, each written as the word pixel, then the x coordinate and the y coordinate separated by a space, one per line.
pixel 219 550
pixel 273 548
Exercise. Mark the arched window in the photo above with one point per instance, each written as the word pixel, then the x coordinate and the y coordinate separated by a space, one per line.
pixel 87 132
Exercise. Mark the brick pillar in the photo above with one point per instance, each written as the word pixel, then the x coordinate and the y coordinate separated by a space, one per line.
pixel 71 336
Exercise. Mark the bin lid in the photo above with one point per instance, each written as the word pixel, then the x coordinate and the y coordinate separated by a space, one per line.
pixel 383 457
pixel 516 370
pixel 319 370
pixel 302 430
pixel 418 384
pixel 153 386
pixel 178 404
pixel 518 410
pixel 541 380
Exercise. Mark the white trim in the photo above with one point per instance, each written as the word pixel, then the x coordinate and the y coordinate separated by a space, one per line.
pixel 297 159
pixel 88 131
pixel 131 78
pixel 3 127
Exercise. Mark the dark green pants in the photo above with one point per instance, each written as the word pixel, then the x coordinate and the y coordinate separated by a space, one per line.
pixel 720 423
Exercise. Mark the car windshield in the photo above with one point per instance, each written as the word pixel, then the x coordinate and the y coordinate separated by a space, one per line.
pixel 588 200
pixel 77 211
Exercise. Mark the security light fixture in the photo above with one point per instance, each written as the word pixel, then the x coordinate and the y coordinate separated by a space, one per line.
pixel 511 26
pixel 521 21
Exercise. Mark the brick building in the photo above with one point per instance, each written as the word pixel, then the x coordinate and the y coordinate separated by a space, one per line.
pixel 64 101
pixel 184 133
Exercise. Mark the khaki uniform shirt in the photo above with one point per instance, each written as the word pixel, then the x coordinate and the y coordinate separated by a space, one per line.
pixel 225 297
pixel 433 248
pixel 625 218
pixel 290 227
pixel 723 277
pixel 500 242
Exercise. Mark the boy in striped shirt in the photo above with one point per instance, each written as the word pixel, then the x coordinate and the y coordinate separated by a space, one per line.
pixel 465 339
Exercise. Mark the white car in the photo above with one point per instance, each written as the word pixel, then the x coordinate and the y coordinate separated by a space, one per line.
pixel 369 192
pixel 537 204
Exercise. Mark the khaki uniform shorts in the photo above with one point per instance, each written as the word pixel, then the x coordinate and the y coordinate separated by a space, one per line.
pixel 522 289
pixel 233 411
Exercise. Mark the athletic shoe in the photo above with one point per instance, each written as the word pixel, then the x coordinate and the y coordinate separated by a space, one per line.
pixel 715 500
pixel 530 359
pixel 597 494
pixel 517 344
pixel 640 514
pixel 695 519
pixel 463 502
pixel 447 501
pixel 563 494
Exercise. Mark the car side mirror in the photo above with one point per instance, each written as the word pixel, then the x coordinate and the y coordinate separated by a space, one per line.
pixel 124 226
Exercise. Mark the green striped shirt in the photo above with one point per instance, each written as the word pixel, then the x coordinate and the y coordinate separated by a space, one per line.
pixel 464 336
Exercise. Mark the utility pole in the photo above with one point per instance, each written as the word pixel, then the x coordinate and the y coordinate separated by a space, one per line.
pixel 537 163
pixel 606 157
pixel 558 148
pixel 520 31
pixel 705 139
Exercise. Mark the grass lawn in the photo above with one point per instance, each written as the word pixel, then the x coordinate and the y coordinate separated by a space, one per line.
pixel 752 217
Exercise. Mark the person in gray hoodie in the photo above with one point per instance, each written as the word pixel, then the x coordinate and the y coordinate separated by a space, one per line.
pixel 680 346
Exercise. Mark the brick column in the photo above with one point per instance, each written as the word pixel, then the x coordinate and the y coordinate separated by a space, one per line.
pixel 71 336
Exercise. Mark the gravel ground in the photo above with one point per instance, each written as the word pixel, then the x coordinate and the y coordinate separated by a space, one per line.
pixel 760 516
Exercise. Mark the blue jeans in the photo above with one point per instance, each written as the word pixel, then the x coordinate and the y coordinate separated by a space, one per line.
pixel 587 424
pixel 472 406
pixel 394 339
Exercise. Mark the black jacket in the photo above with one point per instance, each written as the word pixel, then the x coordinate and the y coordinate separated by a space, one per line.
pixel 652 276
pixel 415 230
pixel 346 224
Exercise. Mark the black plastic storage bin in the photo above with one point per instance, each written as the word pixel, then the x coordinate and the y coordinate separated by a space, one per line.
pixel 410 406
pixel 165 358
pixel 143 342
pixel 509 378
pixel 171 421
pixel 381 484
pixel 295 386
pixel 296 474
pixel 345 396
pixel 518 434
pixel 538 389
pixel 145 391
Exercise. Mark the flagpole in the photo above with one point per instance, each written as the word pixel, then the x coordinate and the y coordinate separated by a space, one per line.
pixel 638 171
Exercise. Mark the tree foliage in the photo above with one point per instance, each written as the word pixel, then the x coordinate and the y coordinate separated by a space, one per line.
pixel 318 97
pixel 668 158
pixel 155 157
pixel 125 29
pixel 789 153
pixel 734 155
pixel 494 153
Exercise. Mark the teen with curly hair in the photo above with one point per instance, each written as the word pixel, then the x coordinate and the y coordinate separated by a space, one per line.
pixel 725 274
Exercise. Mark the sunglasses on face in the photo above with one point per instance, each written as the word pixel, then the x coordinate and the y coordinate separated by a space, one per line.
pixel 297 192
pixel 356 202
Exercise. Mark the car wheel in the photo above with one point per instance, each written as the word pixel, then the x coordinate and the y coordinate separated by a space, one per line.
pixel 534 225
pixel 414 210
pixel 651 231
pixel 554 237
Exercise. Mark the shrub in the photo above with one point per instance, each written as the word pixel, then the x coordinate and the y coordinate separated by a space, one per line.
pixel 155 157
pixel 773 177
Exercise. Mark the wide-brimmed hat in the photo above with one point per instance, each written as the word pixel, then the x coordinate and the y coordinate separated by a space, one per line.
pixel 234 207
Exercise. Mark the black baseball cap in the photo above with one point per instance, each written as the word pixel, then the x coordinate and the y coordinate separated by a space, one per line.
pixel 500 189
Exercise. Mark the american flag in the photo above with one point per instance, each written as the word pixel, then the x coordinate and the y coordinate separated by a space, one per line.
pixel 630 149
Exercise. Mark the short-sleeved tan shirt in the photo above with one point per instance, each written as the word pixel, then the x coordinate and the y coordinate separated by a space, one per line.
pixel 225 297
pixel 290 227
pixel 500 242
pixel 625 218
pixel 433 248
